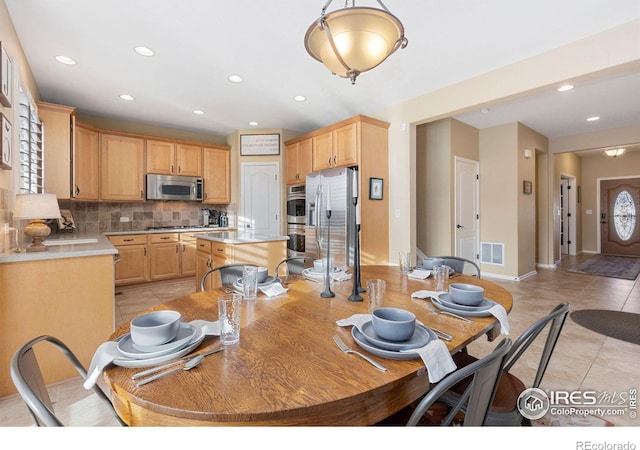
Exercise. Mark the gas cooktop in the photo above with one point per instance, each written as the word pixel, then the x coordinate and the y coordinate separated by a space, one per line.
pixel 180 227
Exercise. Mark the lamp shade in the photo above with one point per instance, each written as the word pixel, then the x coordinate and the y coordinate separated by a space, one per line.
pixel 36 206
pixel 353 40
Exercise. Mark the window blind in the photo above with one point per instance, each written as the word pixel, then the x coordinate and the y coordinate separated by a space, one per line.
pixel 31 147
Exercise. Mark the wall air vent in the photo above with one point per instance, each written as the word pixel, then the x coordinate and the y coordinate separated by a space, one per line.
pixel 492 253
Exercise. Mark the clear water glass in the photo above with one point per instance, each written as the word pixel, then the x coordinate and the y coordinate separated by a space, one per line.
pixel 376 289
pixel 405 262
pixel 250 282
pixel 229 315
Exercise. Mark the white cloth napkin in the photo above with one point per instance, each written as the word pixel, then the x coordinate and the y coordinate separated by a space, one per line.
pixel 273 289
pixel 436 358
pixel 426 294
pixel 108 351
pixel 419 274
pixel 435 355
pixel 500 313
pixel 341 276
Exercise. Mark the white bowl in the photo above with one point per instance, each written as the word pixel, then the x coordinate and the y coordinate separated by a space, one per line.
pixel 393 324
pixel 466 294
pixel 155 328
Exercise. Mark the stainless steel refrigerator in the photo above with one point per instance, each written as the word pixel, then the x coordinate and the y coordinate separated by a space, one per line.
pixel 334 185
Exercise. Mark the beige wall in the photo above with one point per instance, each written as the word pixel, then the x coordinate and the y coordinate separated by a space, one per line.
pixel 605 53
pixel 597 167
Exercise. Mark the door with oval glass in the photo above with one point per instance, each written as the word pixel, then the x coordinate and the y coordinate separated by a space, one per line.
pixel 619 207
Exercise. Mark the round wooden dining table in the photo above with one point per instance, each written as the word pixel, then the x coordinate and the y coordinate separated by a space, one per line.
pixel 287 370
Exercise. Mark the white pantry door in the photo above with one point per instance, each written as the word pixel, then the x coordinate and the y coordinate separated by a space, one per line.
pixel 467 224
pixel 260 208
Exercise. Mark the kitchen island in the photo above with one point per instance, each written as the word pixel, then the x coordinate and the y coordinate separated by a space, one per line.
pixel 66 292
pixel 232 247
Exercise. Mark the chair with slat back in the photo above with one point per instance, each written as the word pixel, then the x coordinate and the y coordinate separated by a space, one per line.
pixel 29 381
pixel 461 265
pixel 229 273
pixel 476 399
pixel 504 408
pixel 295 265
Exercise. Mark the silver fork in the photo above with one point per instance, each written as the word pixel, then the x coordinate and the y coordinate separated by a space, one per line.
pixel 435 311
pixel 346 349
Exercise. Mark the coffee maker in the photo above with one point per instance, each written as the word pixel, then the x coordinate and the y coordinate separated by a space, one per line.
pixel 210 217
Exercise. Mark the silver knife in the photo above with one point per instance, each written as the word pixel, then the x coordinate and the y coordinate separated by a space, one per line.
pixel 442 335
pixel 144 373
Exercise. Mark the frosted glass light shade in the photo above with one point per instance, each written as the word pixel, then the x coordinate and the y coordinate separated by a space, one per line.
pixel 353 40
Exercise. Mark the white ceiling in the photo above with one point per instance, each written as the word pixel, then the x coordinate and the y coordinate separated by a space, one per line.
pixel 199 43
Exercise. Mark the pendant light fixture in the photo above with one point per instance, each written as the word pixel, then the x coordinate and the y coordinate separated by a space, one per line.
pixel 354 39
pixel 613 152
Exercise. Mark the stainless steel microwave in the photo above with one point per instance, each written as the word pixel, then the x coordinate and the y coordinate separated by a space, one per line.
pixel 173 187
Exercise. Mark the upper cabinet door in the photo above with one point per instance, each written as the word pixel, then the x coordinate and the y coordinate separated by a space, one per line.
pixel 217 176
pixel 345 146
pixel 161 157
pixel 189 160
pixel 322 152
pixel 121 168
pixel 86 164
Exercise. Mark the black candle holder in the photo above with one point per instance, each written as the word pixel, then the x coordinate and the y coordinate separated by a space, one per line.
pixel 327 293
pixel 357 288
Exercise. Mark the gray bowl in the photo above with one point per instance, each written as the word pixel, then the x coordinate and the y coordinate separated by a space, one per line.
pixel 393 324
pixel 262 275
pixel 155 328
pixel 466 294
pixel 429 263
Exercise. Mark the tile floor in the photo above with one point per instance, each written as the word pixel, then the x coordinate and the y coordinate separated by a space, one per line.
pixel 583 360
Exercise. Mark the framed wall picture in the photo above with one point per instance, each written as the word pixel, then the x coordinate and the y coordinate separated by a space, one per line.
pixel 259 144
pixel 375 188
pixel 527 187
pixel 6 74
pixel 5 138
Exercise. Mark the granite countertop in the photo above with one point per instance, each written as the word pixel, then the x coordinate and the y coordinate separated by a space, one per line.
pixel 241 237
pixel 65 246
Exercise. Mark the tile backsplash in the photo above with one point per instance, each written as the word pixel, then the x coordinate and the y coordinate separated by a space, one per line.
pixel 106 217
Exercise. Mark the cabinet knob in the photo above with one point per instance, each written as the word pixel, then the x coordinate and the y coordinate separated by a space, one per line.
pixel 141 194
pixel 177 248
pixel 77 190
pixel 171 168
pixel 335 160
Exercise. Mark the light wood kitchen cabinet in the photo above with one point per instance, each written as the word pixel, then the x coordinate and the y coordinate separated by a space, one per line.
pixel 217 175
pixel 265 254
pixel 86 163
pixel 170 158
pixel 121 168
pixel 71 298
pixel 132 264
pixel 299 161
pixel 359 141
pixel 58 124
pixel 165 255
pixel 188 251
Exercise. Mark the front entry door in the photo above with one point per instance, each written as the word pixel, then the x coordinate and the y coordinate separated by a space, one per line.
pixel 619 207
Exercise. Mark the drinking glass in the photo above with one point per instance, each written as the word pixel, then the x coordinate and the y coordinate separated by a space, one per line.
pixel 405 262
pixel 376 289
pixel 441 275
pixel 229 314
pixel 250 282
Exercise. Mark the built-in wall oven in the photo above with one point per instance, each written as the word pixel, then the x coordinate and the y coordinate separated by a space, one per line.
pixel 296 214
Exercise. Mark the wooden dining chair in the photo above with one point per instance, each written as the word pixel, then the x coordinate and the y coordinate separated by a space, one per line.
pixel 229 273
pixel 29 381
pixel 461 265
pixel 295 265
pixel 504 408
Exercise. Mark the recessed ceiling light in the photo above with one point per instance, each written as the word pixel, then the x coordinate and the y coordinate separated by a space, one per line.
pixel 66 60
pixel 236 78
pixel 566 87
pixel 593 118
pixel 253 124
pixel 144 51
pixel 126 97
pixel 299 98
pixel 485 110
pixel 198 112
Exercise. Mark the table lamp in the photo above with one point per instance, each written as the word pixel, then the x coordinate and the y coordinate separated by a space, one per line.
pixel 36 208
